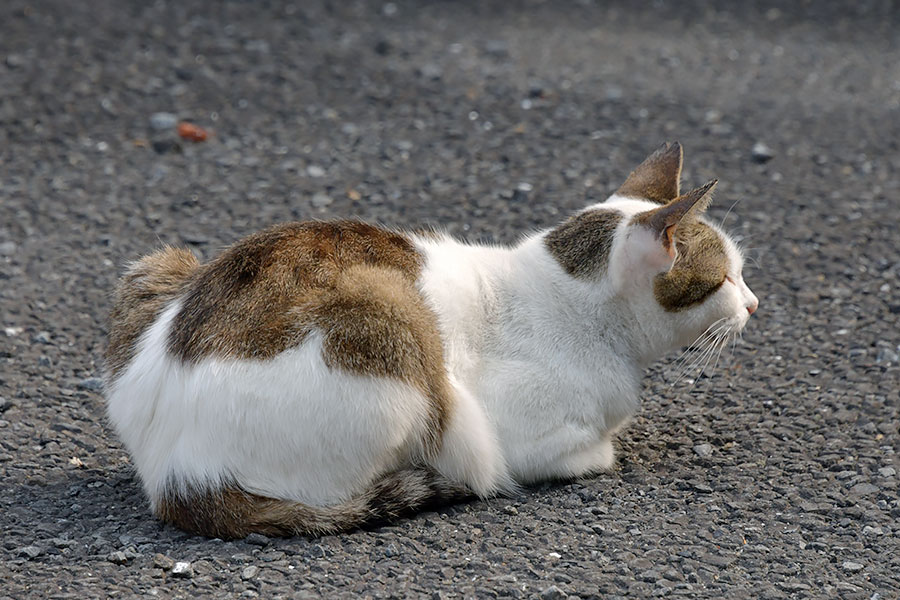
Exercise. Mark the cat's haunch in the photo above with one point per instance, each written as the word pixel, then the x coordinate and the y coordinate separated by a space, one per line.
pixel 317 376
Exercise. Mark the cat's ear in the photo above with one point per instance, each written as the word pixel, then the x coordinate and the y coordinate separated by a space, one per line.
pixel 658 178
pixel 663 222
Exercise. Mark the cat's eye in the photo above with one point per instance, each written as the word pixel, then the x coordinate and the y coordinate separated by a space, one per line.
pixel 728 278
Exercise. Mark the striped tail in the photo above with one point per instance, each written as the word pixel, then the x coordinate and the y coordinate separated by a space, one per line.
pixel 232 513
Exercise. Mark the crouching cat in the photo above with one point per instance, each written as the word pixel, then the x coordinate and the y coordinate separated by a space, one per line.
pixel 319 375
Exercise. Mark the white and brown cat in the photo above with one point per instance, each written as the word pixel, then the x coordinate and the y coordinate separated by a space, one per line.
pixel 319 375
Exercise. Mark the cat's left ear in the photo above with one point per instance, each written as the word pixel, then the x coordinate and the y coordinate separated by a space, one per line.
pixel 663 222
pixel 658 178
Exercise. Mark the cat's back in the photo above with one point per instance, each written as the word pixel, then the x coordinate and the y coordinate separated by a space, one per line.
pixel 265 293
pixel 254 299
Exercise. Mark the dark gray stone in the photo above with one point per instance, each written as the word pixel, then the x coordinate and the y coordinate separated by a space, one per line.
pixel 93 384
pixel 257 539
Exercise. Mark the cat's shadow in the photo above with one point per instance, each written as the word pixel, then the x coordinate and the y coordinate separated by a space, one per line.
pixel 87 504
pixel 102 510
pixel 82 504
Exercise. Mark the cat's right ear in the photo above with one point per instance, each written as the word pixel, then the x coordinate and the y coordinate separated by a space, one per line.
pixel 658 178
pixel 663 222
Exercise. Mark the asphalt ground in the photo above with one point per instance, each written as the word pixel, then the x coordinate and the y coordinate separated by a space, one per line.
pixel 775 476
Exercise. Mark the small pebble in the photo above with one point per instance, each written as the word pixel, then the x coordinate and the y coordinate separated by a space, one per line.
pixel 851 566
pixel 703 450
pixel 315 171
pixel 249 572
pixel 864 488
pixel 42 337
pixel 161 561
pixel 14 61
pixel 553 593
pixel 163 121
pixel 93 384
pixel 320 200
pixel 165 145
pixel 761 153
pixel 496 47
pixel 29 552
pixel 257 539
pixel 7 248
pixel 887 355
pixel 183 570
pixel 117 558
pixel 883 471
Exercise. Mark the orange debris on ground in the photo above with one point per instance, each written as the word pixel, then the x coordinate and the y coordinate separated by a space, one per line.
pixel 192 132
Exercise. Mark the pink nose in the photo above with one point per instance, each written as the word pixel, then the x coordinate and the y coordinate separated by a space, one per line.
pixel 752 308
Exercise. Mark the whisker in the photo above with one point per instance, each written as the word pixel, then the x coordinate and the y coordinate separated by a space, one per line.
pixel 695 345
pixel 694 359
pixel 714 343
pixel 703 355
pixel 728 212
pixel 705 360
pixel 722 344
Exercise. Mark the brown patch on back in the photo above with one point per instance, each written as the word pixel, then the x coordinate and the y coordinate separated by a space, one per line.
pixel 145 289
pixel 582 243
pixel 698 272
pixel 241 305
pixel 658 177
pixel 353 282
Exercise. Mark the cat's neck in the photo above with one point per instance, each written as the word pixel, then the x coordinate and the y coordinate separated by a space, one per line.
pixel 505 302
pixel 579 318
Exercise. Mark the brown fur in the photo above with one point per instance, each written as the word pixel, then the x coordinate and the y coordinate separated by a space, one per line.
pixel 232 513
pixel 698 272
pixel 147 286
pixel 582 243
pixel 243 303
pixel 658 177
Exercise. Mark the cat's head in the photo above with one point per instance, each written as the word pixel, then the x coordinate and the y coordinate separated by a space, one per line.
pixel 651 246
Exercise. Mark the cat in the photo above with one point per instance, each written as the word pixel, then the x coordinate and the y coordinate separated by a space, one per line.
pixel 318 376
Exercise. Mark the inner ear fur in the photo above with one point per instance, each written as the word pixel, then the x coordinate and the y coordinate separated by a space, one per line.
pixel 664 221
pixel 658 178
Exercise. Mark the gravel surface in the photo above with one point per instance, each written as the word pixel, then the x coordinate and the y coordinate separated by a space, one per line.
pixel 775 478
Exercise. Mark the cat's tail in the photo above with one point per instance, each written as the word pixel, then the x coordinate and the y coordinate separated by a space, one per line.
pixel 232 513
pixel 146 287
pixel 159 274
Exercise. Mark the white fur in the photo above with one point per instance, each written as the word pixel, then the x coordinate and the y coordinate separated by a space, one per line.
pixel 288 427
pixel 545 367
pixel 556 362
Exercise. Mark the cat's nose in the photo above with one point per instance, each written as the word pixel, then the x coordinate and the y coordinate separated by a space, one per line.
pixel 751 308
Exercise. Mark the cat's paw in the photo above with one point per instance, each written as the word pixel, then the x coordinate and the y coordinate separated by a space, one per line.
pixel 595 459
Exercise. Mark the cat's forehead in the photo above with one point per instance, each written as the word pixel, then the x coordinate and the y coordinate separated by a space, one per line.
pixel 704 232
